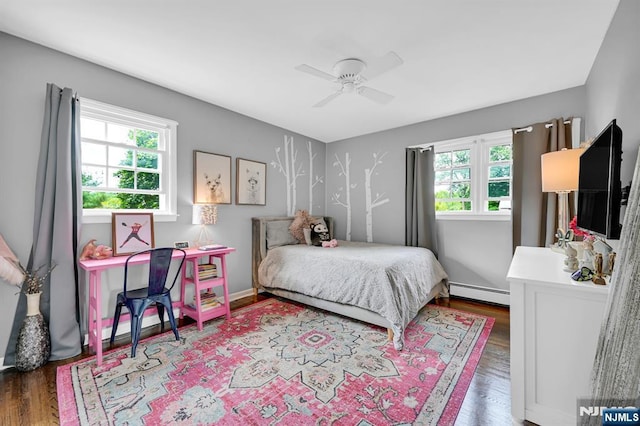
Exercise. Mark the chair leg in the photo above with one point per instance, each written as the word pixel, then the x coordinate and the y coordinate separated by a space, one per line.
pixel 172 320
pixel 160 308
pixel 137 313
pixel 116 319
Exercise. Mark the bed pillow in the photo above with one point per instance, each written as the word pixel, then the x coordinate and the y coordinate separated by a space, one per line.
pixel 278 234
pixel 301 221
pixel 319 232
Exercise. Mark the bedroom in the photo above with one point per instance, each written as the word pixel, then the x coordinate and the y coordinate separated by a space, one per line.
pixel 610 91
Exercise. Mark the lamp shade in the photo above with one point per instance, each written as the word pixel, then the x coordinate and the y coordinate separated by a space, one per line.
pixel 204 214
pixel 560 170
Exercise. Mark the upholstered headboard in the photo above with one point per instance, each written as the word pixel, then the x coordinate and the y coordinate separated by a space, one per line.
pixel 259 240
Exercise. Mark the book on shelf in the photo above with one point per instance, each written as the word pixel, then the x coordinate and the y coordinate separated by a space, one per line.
pixel 207 270
pixel 208 300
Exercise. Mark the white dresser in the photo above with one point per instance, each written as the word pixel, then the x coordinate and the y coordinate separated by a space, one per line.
pixel 555 324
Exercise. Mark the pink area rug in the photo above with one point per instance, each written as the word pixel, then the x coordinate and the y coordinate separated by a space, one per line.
pixel 276 362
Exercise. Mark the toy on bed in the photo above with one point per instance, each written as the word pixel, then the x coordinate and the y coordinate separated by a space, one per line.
pixel 330 243
pixel 319 233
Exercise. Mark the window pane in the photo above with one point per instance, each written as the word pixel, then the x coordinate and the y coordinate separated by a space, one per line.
pixel 122 179
pixel 462 157
pixel 148 180
pixel 93 176
pixel 147 160
pixel 460 190
pixel 92 129
pixel 443 176
pixel 442 160
pixel 499 188
pixel 139 201
pixel 100 200
pixel 120 134
pixel 146 139
pixel 500 153
pixel 120 156
pixel 453 206
pixel 493 206
pixel 93 153
pixel 443 191
pixel 499 171
pixel 461 174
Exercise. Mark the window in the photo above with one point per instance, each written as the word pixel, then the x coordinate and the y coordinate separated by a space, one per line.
pixel 128 162
pixel 473 176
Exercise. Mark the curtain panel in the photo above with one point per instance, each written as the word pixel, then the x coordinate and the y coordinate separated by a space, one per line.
pixel 535 213
pixel 420 211
pixel 56 225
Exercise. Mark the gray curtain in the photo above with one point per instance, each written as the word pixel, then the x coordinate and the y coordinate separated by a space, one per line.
pixel 57 215
pixel 535 213
pixel 615 377
pixel 420 211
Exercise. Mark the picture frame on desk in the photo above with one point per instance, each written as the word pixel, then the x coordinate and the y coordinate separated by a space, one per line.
pixel 131 232
pixel 181 245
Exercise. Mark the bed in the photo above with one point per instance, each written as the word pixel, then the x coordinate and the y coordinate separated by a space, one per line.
pixel 385 285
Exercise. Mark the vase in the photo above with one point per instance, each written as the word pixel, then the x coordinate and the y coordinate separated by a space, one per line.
pixel 33 347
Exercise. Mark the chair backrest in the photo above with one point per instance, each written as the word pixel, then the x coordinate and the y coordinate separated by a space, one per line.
pixel 159 266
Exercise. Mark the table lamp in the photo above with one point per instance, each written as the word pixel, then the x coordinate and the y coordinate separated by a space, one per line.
pixel 203 215
pixel 560 175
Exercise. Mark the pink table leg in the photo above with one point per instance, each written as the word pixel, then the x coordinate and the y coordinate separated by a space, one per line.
pixel 227 304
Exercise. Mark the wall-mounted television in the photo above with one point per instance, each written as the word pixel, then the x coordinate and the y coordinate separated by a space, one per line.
pixel 599 187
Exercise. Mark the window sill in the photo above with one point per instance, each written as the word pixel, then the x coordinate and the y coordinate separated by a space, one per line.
pixel 106 217
pixel 475 217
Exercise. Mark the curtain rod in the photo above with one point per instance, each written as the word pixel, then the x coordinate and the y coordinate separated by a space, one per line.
pixel 530 128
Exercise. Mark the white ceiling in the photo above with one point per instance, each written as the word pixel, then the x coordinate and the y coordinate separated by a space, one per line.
pixel 240 54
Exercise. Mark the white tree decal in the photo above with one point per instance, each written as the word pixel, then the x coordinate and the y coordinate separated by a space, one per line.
pixel 370 203
pixel 290 171
pixel 344 171
pixel 313 181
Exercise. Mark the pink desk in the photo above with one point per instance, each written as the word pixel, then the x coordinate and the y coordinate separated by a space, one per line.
pixel 96 267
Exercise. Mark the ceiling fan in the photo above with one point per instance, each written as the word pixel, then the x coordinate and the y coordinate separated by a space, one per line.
pixel 349 74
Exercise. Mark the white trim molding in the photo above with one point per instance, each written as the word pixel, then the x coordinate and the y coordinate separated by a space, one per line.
pixel 484 294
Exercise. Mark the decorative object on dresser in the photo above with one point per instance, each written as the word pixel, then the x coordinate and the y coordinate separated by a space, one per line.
pixel 204 215
pixel 132 232
pixel 211 178
pixel 560 175
pixel 251 182
pixel 276 362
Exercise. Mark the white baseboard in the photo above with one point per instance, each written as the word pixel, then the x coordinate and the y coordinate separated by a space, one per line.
pixel 125 327
pixel 476 292
pixel 2 366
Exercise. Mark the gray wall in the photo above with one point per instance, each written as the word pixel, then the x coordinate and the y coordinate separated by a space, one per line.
pixel 472 252
pixel 613 86
pixel 25 68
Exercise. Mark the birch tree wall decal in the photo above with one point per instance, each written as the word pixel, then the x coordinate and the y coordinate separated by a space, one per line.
pixel 371 203
pixel 348 186
pixel 313 181
pixel 290 170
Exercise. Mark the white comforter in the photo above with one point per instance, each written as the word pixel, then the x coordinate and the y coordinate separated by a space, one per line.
pixel 393 281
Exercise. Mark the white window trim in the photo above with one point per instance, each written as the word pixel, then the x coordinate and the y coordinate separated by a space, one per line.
pixel 169 127
pixel 479 145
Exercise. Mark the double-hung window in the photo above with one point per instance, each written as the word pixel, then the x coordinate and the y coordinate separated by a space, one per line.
pixel 473 177
pixel 128 162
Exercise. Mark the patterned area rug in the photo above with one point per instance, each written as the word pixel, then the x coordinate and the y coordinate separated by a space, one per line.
pixel 276 362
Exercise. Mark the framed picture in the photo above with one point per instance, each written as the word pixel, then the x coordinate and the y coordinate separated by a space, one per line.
pixel 131 232
pixel 211 178
pixel 181 245
pixel 251 182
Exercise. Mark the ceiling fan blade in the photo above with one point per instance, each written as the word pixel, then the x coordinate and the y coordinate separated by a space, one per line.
pixel 328 99
pixel 375 95
pixel 316 72
pixel 382 65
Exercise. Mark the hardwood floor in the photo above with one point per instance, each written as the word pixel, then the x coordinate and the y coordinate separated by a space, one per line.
pixel 30 398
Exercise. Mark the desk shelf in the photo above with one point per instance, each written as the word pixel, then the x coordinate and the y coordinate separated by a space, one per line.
pixel 208 284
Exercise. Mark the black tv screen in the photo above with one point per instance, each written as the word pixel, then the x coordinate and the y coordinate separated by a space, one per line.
pixel 599 187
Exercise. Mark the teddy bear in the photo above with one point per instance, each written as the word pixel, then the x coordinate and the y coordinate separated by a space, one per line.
pixel 319 233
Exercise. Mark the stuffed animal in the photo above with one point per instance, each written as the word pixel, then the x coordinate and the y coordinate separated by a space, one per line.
pixel 88 250
pixel 102 252
pixel 330 244
pixel 319 233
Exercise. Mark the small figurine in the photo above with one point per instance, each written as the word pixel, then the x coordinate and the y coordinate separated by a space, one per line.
pixel 571 262
pixel 597 277
pixel 612 261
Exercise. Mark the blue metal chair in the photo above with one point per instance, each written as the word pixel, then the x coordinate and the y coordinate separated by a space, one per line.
pixel 138 300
